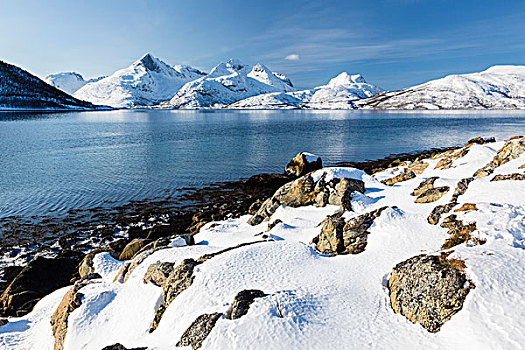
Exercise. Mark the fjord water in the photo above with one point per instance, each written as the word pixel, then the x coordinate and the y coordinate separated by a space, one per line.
pixel 53 162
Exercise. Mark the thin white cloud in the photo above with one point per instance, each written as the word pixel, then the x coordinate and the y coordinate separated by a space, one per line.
pixel 292 57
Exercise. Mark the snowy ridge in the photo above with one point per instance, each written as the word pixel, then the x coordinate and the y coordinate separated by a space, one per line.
pixel 68 82
pixel 499 87
pixel 227 83
pixel 146 82
pixel 339 93
pixel 344 298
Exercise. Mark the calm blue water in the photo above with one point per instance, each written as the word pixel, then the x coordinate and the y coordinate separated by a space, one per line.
pixel 61 161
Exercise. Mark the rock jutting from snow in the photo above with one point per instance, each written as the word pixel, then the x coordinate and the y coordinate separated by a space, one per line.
pixel 158 273
pixel 515 177
pixel 428 292
pixel 405 176
pixel 307 191
pixel 242 302
pixel 199 330
pixel 424 185
pixel 511 150
pixel 432 194
pixel 439 210
pixel 345 237
pixel 119 346
pixel 302 164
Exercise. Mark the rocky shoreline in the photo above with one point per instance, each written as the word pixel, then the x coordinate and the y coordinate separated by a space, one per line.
pixel 428 288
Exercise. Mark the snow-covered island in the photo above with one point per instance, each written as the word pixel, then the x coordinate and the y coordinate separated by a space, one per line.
pixel 426 252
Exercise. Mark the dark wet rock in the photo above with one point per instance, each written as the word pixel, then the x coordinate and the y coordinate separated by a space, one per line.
pixel 428 292
pixel 273 224
pixel 399 178
pixel 158 273
pixel 133 248
pixel 86 266
pixel 242 302
pixel 350 237
pixel 161 242
pixel 302 164
pixel 119 346
pixel 512 149
pixel 432 194
pixel 254 207
pixel 515 177
pixel 461 188
pixel 424 185
pixel 197 332
pixel 3 321
pixel 439 210
pixel 38 278
pixel 305 191
pixel 8 275
pixel 71 301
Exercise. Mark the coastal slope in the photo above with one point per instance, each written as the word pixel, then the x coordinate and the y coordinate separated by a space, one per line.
pixel 20 90
pixel 499 87
pixel 68 82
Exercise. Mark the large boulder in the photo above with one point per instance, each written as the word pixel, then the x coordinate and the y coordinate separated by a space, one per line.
pixel 427 290
pixel 309 191
pixel 158 273
pixel 302 164
pixel 350 237
pixel 133 248
pixel 38 278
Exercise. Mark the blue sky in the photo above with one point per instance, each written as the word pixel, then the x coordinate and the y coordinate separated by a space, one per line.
pixel 393 43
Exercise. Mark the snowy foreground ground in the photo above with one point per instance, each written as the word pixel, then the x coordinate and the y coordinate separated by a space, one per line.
pixel 317 301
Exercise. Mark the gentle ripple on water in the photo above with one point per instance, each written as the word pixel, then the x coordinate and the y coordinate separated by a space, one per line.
pixel 62 161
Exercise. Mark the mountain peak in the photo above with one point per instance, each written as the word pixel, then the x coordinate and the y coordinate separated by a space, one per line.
pixel 150 62
pixel 346 79
pixel 235 63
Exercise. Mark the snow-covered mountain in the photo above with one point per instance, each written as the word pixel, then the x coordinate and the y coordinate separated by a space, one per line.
pixel 21 90
pixel 339 93
pixel 499 87
pixel 146 82
pixel 68 82
pixel 227 83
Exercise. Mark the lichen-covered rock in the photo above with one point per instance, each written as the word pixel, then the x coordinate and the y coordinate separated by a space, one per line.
pixel 512 149
pixel 426 291
pixel 71 301
pixel 515 177
pixel 424 185
pixel 180 278
pixel 199 330
pixel 305 191
pixel 479 141
pixel 340 237
pixel 432 194
pixel 467 207
pixel 461 188
pixel 447 161
pixel 439 210
pixel 158 273
pixel 399 178
pixel 242 302
pixel 418 167
pixel 302 164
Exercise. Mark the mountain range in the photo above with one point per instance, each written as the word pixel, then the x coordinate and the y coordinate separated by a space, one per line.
pixel 151 83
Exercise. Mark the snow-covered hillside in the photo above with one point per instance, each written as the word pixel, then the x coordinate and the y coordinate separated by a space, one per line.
pixel 227 83
pixel 146 82
pixel 339 93
pixel 68 82
pixel 499 87
pixel 21 90
pixel 443 236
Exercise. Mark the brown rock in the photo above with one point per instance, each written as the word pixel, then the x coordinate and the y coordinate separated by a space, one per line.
pixel 300 165
pixel 418 167
pixel 86 266
pixel 439 210
pixel 424 185
pixel 511 150
pixel 158 273
pixel 399 178
pixel 132 248
pixel 515 177
pixel 467 207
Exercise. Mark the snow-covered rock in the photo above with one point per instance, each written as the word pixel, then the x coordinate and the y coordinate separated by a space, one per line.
pixel 68 82
pixel 499 87
pixel 146 82
pixel 227 83
pixel 21 90
pixel 339 93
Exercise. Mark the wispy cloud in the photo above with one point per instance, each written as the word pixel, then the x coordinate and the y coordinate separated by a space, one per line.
pixel 292 57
